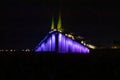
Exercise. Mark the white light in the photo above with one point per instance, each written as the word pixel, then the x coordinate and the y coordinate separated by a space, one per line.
pixel 54 30
pixel 65 34
pixel 70 36
pixel 27 50
pixel 82 42
pixel 91 46
pixel 11 50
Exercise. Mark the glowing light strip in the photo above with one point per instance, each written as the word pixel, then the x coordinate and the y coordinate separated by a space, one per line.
pixel 65 45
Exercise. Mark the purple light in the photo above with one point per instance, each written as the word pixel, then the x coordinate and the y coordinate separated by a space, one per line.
pixel 65 44
pixel 53 43
pixel 70 46
pixel 47 45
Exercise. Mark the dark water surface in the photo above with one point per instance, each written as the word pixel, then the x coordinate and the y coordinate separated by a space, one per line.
pixel 99 64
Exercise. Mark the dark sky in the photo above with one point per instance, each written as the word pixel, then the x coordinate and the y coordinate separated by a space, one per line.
pixel 24 23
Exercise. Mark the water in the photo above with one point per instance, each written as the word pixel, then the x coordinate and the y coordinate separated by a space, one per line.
pixel 32 66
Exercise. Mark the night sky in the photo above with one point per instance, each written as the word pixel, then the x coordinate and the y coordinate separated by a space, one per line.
pixel 23 24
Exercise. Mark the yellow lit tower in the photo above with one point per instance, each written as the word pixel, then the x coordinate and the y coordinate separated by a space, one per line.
pixel 52 24
pixel 59 25
pixel 57 42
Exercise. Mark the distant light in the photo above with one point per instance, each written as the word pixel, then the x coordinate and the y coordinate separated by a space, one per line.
pixel 82 42
pixel 1 50
pixel 54 29
pixel 70 36
pixel 11 50
pixel 114 47
pixel 27 50
pixel 6 50
pixel 91 46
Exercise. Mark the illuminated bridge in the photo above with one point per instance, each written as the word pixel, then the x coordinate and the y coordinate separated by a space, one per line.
pixel 57 42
